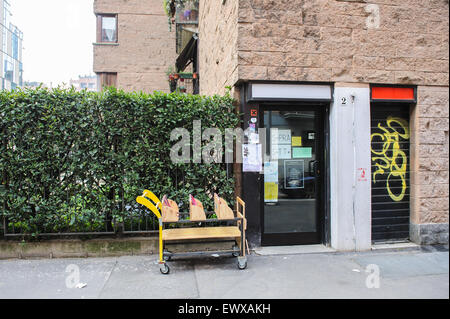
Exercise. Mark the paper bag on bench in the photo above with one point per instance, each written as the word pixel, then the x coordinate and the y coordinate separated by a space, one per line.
pixel 221 208
pixel 196 211
pixel 169 210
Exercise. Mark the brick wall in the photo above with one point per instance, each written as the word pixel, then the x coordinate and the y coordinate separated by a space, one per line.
pixel 145 48
pixel 217 46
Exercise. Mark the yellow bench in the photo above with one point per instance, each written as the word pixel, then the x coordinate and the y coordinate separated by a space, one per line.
pixel 201 233
pixel 171 215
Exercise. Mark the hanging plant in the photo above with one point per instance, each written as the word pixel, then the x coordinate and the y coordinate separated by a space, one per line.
pixel 170 10
pixel 171 6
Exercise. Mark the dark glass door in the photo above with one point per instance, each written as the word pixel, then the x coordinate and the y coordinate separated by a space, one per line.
pixel 293 175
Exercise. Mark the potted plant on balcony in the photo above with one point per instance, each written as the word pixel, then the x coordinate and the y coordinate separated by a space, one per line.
pixel 173 78
pixel 190 10
pixel 185 10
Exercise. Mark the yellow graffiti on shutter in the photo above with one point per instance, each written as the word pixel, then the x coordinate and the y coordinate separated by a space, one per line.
pixel 391 138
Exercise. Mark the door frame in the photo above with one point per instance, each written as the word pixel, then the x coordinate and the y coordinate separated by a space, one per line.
pixel 322 209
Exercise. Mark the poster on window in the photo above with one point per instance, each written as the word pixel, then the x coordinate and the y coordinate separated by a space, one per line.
pixel 284 151
pixel 251 158
pixel 271 172
pixel 296 141
pixel 302 152
pixel 271 182
pixel 280 151
pixel 270 192
pixel 294 174
pixel 280 136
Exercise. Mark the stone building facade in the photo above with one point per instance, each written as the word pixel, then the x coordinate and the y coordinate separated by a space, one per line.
pixel 218 63
pixel 322 40
pixel 351 46
pixel 143 49
pixel 358 93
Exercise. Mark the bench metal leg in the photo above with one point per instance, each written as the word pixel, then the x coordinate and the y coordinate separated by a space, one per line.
pixel 236 251
pixel 167 255
pixel 242 259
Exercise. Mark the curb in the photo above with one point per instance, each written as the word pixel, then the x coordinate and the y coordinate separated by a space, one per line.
pixel 105 247
pixel 76 248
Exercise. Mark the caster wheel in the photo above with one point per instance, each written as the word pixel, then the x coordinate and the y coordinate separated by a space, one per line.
pixel 242 266
pixel 242 262
pixel 164 269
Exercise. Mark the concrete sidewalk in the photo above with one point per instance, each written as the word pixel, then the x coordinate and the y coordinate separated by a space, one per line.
pixel 404 274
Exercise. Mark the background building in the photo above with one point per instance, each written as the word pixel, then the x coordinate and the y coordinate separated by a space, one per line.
pixel 87 82
pixel 11 68
pixel 33 84
pixel 134 47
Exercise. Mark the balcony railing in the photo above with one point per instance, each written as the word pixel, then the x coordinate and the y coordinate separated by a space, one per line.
pixel 184 15
pixel 187 12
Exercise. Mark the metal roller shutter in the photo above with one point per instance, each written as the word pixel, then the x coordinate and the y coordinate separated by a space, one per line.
pixel 390 158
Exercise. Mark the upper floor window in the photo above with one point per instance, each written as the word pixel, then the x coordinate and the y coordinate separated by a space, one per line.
pixel 107 28
pixel 8 69
pixel 6 14
pixel 15 46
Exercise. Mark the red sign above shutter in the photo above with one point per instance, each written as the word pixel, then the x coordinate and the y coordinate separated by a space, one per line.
pixel 392 93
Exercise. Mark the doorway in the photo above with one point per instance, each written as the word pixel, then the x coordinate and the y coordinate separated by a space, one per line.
pixel 293 201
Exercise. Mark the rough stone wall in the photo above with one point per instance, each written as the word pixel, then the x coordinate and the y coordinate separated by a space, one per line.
pixel 430 156
pixel 338 40
pixel 218 29
pixel 145 47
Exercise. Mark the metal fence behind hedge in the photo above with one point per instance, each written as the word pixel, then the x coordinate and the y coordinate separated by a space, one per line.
pixel 138 220
pixel 135 224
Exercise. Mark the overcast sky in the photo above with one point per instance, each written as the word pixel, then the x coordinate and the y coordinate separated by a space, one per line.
pixel 58 37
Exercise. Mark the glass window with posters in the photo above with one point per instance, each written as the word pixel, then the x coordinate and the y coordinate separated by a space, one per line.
pixel 291 178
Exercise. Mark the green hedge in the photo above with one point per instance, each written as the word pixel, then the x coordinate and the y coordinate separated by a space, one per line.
pixel 69 160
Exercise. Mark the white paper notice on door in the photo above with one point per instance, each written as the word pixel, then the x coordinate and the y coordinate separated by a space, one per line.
pixel 251 158
pixel 284 151
pixel 280 136
pixel 253 138
pixel 271 172
pixel 271 182
pixel 280 144
pixel 280 151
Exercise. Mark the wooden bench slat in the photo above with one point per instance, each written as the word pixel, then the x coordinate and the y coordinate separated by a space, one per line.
pixel 201 233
